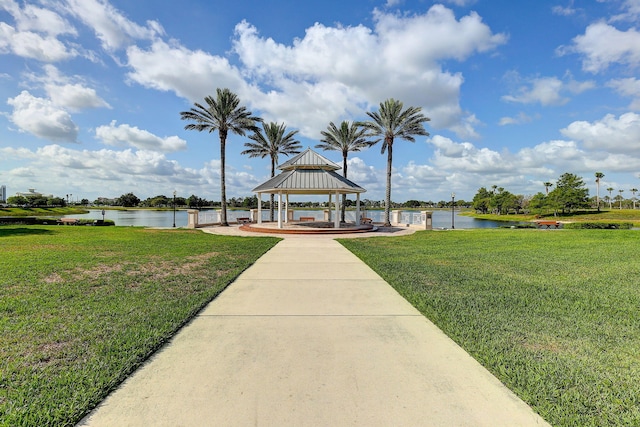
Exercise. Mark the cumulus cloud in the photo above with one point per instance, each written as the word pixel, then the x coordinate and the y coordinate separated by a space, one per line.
pixel 28 44
pixel 42 118
pixel 547 91
pixel 603 45
pixel 189 74
pixel 112 28
pixel 407 66
pixel 615 135
pixel 125 135
pixel 628 87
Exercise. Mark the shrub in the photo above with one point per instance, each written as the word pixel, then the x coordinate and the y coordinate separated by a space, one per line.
pixel 599 225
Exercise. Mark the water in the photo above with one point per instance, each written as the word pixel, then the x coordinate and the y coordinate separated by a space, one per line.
pixel 150 218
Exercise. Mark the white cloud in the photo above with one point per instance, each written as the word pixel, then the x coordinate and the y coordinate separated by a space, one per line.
pixel 337 62
pixel 615 135
pixel 190 74
pixel 112 28
pixel 28 44
pixel 519 119
pixel 125 135
pixel 603 45
pixel 547 91
pixel 563 11
pixel 42 118
pixel 629 87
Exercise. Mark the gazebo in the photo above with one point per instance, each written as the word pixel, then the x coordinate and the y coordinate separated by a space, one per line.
pixel 308 173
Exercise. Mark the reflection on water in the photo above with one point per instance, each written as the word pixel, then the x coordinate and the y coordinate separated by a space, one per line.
pixel 150 218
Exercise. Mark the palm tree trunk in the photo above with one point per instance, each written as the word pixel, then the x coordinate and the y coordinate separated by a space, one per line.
pixel 344 196
pixel 272 197
pixel 387 201
pixel 223 191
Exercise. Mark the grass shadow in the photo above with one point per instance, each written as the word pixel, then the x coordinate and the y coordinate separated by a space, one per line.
pixel 23 231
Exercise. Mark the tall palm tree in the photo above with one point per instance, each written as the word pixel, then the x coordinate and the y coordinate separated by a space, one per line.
pixel 547 185
pixel 273 142
pixel 225 115
pixel 599 175
pixel 389 123
pixel 349 137
pixel 634 191
pixel 621 198
pixel 610 189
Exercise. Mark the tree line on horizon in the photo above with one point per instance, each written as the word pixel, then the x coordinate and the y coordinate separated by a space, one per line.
pixel 569 195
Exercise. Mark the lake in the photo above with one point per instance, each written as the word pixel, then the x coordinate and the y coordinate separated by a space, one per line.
pixel 150 218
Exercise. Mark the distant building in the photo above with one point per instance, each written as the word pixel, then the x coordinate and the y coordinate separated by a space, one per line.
pixel 33 193
pixel 3 193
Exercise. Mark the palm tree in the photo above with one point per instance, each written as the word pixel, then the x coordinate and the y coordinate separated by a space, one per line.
pixel 634 191
pixel 599 175
pixel 389 123
pixel 610 189
pixel 547 185
pixel 349 137
pixel 621 198
pixel 271 143
pixel 225 115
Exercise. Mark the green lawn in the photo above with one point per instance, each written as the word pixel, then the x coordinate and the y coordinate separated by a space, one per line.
pixel 554 314
pixel 82 307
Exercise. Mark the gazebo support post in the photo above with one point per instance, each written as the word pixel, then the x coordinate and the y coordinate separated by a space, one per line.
pixel 280 209
pixel 336 220
pixel 329 206
pixel 286 208
pixel 357 208
pixel 259 208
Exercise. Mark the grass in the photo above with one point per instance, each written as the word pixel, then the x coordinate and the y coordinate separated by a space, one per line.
pixel 82 307
pixel 553 314
pixel 611 215
pixel 19 212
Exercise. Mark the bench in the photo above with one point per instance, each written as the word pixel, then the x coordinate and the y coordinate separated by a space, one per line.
pixel 307 218
pixel 548 224
pixel 365 220
pixel 244 220
pixel 67 221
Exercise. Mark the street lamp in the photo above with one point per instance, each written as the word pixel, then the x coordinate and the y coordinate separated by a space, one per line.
pixel 453 207
pixel 174 208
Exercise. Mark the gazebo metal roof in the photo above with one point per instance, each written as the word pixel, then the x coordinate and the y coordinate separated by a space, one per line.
pixel 309 173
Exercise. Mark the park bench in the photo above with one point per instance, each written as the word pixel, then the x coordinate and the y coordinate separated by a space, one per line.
pixel 548 224
pixel 244 220
pixel 67 221
pixel 307 218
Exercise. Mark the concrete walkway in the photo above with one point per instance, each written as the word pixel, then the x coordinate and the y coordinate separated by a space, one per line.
pixel 311 336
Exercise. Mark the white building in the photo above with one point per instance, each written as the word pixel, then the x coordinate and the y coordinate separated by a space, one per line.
pixel 3 193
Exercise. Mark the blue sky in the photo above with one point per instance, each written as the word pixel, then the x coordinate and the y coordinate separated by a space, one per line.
pixel 517 92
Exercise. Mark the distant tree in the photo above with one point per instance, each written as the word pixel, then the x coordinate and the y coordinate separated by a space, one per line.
pixel 547 185
pixel 599 176
pixel 223 114
pixel 570 193
pixel 538 203
pixel 412 204
pixel 610 189
pixel 128 200
pixel 17 200
pixel 275 140
pixel 634 191
pixel 55 201
pixel 84 202
pixel 349 137
pixel 387 124
pixel 620 197
pixel 195 202
pixel 481 200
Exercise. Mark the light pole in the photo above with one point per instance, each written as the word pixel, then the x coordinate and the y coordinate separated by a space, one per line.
pixel 174 208
pixel 453 212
